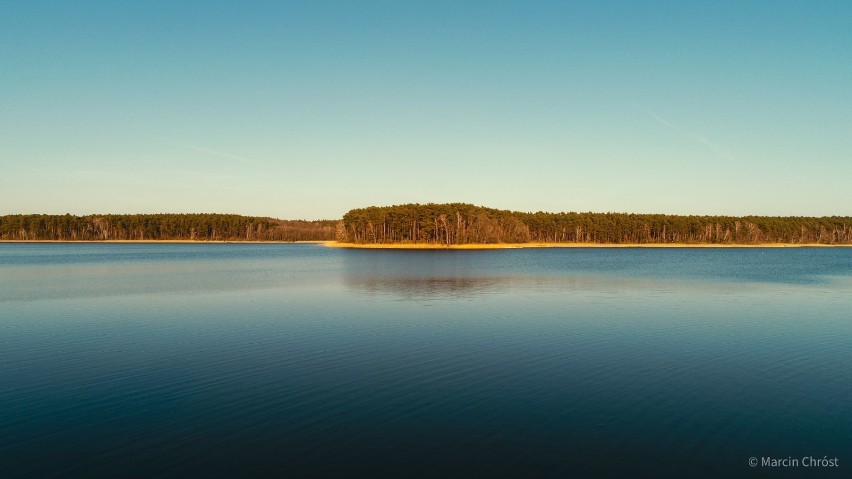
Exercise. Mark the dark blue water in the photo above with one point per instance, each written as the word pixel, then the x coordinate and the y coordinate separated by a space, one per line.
pixel 268 360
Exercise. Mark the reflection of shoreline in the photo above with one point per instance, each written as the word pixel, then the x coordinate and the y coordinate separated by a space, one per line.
pixel 421 274
pixel 428 274
pixel 474 246
pixel 426 286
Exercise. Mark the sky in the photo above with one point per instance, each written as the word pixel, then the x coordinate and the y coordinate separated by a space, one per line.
pixel 308 109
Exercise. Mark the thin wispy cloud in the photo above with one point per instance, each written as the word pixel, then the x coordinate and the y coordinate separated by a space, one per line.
pixel 713 146
pixel 211 151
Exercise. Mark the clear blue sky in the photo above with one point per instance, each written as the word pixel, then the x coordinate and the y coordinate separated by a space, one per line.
pixel 307 109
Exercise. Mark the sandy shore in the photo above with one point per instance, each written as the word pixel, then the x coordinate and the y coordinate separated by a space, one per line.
pixel 335 244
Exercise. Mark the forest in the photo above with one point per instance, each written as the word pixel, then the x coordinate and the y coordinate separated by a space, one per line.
pixel 199 227
pixel 448 224
pixel 460 223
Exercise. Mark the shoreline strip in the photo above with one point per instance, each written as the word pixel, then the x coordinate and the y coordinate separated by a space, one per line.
pixel 468 246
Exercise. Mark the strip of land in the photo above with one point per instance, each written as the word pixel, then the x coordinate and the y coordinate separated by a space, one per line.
pixel 467 246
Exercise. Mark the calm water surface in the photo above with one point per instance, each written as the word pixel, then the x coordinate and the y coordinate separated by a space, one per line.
pixel 270 360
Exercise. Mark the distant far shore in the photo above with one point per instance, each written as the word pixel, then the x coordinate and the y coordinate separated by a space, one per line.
pixel 471 226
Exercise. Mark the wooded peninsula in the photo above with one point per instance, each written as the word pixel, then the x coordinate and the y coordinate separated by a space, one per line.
pixel 450 224
pixel 459 224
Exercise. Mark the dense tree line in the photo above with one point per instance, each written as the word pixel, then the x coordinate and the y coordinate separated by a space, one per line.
pixel 201 227
pixel 455 223
pixel 459 223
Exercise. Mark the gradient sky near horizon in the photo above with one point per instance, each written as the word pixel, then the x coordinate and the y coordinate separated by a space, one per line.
pixel 307 109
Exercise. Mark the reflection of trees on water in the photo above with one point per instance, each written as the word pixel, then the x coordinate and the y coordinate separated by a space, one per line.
pixel 426 287
pixel 422 274
pixel 454 274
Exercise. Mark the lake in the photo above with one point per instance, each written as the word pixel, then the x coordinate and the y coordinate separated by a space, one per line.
pixel 297 360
